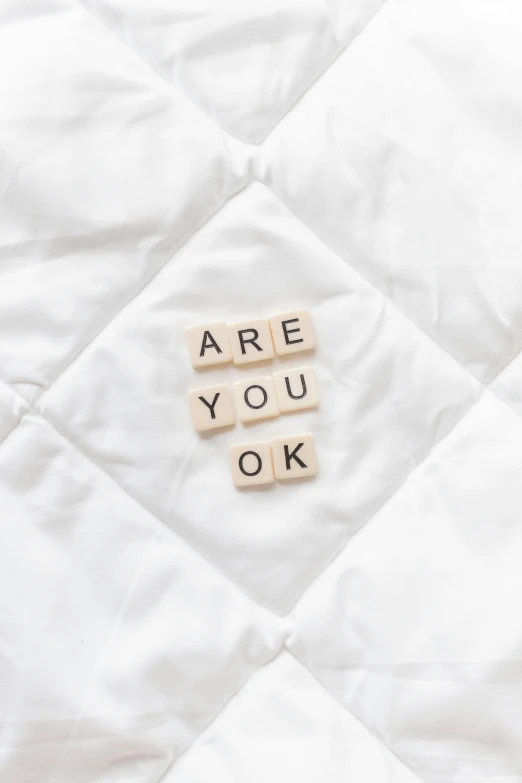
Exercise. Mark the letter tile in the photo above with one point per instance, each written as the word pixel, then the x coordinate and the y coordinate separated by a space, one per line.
pixel 296 389
pixel 211 407
pixel 251 463
pixel 294 456
pixel 251 341
pixel 208 344
pixel 292 332
pixel 256 398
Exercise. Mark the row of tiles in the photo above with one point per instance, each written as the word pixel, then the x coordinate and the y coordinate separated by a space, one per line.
pixel 286 457
pixel 285 391
pixel 250 341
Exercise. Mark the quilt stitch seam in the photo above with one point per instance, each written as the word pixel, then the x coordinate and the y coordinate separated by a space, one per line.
pixel 361 722
pixel 176 88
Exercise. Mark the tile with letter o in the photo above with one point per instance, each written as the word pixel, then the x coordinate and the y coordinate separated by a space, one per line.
pixel 211 407
pixel 256 399
pixel 296 389
pixel 292 332
pixel 251 463
pixel 294 456
pixel 208 344
pixel 251 341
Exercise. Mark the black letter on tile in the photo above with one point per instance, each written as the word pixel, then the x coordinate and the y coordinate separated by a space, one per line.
pixel 289 390
pixel 209 342
pixel 211 405
pixel 286 331
pixel 251 340
pixel 259 463
pixel 293 455
pixel 265 397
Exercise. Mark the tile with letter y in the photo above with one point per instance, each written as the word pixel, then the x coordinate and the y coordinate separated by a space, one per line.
pixel 211 407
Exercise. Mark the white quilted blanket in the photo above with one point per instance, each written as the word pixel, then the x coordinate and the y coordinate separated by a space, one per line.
pixel 165 163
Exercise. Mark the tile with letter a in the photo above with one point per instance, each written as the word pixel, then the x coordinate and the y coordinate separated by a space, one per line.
pixel 251 463
pixel 296 389
pixel 251 341
pixel 256 399
pixel 211 407
pixel 208 344
pixel 292 332
pixel 294 456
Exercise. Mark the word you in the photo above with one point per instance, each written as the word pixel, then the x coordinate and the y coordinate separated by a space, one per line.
pixel 285 391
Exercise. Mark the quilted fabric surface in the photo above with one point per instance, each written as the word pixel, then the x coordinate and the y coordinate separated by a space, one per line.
pixel 166 163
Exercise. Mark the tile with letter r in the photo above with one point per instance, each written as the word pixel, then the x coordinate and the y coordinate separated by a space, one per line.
pixel 211 407
pixel 294 456
pixel 208 344
pixel 296 389
pixel 251 341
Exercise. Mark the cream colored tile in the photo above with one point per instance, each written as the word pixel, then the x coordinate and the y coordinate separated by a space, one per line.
pixel 292 332
pixel 251 341
pixel 256 398
pixel 294 456
pixel 251 463
pixel 208 344
pixel 211 407
pixel 296 389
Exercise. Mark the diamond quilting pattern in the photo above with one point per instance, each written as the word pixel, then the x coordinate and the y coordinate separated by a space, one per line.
pixel 410 175
pixel 106 174
pixel 403 159
pixel 282 727
pixel 412 626
pixel 387 395
pixel 244 65
pixel 118 618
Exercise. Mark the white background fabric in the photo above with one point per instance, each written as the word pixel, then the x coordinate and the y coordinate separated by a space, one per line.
pixel 166 163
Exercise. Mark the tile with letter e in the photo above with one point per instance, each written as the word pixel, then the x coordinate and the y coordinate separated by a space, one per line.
pixel 256 399
pixel 208 344
pixel 294 456
pixel 292 332
pixel 211 407
pixel 251 341
pixel 296 389
pixel 251 463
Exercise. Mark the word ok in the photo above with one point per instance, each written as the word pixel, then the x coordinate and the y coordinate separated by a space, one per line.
pixel 250 341
pixel 283 458
pixel 255 398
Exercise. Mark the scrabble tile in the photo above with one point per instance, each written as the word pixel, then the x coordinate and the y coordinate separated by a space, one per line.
pixel 256 398
pixel 251 463
pixel 296 389
pixel 208 344
pixel 211 407
pixel 294 456
pixel 292 332
pixel 251 341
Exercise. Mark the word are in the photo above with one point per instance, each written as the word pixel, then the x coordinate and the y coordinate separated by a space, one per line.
pixel 287 457
pixel 253 399
pixel 250 341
